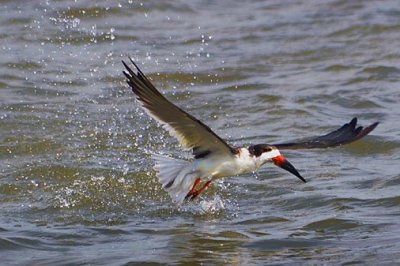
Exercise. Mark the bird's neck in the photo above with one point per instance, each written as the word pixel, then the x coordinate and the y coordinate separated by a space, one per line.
pixel 249 159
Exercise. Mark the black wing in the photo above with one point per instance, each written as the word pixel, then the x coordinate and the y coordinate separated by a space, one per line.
pixel 344 135
pixel 190 132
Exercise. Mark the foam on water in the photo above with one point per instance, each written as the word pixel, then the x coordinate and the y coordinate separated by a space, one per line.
pixel 214 205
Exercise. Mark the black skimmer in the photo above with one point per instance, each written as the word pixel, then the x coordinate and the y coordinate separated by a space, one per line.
pixel 213 157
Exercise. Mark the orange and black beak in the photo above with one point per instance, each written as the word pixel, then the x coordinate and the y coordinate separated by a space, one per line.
pixel 284 164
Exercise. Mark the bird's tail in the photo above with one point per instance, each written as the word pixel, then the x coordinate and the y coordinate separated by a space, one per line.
pixel 176 176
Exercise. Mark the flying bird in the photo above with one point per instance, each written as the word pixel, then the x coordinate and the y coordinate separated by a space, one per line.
pixel 214 157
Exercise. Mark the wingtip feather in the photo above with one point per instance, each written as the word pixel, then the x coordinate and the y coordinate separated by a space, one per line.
pixel 353 122
pixel 367 130
pixel 133 62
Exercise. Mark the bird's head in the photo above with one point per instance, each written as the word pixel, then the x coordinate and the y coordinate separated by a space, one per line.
pixel 268 153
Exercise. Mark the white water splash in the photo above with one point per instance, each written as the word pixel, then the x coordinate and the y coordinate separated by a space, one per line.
pixel 213 205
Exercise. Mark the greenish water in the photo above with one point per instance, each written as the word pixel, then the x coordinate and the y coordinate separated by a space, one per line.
pixel 76 181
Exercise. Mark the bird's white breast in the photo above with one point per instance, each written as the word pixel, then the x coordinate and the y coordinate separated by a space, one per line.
pixel 220 166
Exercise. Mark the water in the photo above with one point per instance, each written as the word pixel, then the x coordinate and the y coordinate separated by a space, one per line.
pixel 76 182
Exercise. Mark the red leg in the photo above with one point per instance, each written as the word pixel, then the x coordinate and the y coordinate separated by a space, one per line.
pixel 192 191
pixel 196 193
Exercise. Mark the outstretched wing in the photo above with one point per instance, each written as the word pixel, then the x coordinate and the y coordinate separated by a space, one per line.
pixel 190 132
pixel 346 134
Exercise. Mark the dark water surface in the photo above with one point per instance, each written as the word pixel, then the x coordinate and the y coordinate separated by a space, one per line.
pixel 76 182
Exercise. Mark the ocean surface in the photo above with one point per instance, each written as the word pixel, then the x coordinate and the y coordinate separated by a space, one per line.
pixel 76 180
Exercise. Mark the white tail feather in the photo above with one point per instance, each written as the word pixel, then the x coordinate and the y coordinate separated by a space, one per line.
pixel 176 176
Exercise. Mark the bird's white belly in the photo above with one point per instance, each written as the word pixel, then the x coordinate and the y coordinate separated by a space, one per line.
pixel 227 166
